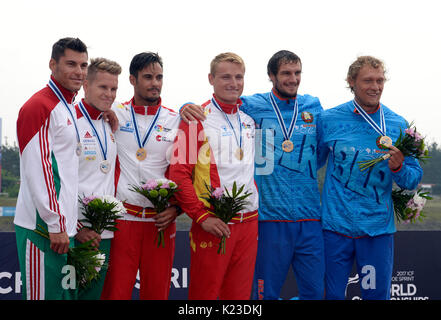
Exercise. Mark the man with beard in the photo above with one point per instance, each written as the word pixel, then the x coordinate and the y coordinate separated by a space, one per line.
pixel 287 160
pixel 145 135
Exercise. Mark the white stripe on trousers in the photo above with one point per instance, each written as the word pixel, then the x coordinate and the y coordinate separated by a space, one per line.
pixel 34 272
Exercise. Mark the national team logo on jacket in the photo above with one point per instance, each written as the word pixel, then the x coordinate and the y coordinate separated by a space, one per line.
pixel 127 127
pixel 225 132
pixel 307 117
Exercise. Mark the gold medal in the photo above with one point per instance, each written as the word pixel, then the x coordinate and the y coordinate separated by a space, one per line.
pixel 239 153
pixel 141 154
pixel 287 146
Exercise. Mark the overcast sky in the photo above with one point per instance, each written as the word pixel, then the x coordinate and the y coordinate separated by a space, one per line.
pixel 327 35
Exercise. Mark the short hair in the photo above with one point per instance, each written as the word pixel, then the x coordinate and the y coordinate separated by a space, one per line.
pixel 142 60
pixel 59 47
pixel 104 65
pixel 360 62
pixel 225 57
pixel 282 56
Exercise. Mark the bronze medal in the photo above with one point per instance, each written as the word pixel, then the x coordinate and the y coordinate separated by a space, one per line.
pixel 141 154
pixel 287 146
pixel 384 142
pixel 239 153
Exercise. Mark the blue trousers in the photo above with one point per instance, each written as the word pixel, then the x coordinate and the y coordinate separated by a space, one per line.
pixel 374 261
pixel 285 244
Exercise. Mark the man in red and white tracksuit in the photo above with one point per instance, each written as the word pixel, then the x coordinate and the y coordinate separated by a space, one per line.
pixel 144 142
pixel 49 148
pixel 219 152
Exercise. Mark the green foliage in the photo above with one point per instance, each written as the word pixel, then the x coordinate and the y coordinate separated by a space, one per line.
pixel 101 215
pixel 10 170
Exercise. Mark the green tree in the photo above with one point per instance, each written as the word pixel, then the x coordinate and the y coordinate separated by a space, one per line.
pixel 10 161
pixel 432 168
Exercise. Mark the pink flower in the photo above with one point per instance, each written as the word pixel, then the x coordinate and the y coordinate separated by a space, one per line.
pixel 150 184
pixel 217 193
pixel 410 131
pixel 418 137
pixel 86 200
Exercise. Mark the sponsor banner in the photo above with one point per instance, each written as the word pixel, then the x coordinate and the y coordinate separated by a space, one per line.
pixel 7 211
pixel 416 269
pixel 417 263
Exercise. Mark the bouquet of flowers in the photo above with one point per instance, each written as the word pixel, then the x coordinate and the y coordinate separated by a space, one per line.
pixel 159 192
pixel 101 212
pixel 226 205
pixel 411 144
pixel 408 207
pixel 86 260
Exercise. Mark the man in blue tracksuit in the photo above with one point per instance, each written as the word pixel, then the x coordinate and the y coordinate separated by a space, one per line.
pixel 357 208
pixel 287 160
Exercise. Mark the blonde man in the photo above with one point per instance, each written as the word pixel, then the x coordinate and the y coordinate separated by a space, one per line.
pixel 225 155
pixel 357 207
pixel 96 173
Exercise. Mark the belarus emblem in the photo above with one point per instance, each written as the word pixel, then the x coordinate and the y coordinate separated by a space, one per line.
pixel 307 117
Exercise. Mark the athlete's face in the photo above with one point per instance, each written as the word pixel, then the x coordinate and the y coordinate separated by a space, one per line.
pixel 227 81
pixel 368 87
pixel 287 81
pixel 70 70
pixel 100 92
pixel 148 84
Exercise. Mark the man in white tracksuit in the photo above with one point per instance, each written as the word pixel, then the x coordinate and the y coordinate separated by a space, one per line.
pixel 98 158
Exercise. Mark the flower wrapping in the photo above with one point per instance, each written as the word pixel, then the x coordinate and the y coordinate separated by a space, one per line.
pixel 159 192
pixel 226 205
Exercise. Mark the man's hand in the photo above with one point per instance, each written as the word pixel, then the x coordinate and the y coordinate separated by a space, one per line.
pixel 396 158
pixel 59 242
pixel 192 112
pixel 86 234
pixel 110 117
pixel 165 218
pixel 216 227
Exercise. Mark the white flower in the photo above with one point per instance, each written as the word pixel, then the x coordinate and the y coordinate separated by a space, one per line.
pixel 119 205
pixel 101 258
pixel 418 201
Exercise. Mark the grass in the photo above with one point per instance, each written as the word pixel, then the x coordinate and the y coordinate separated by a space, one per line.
pixel 431 222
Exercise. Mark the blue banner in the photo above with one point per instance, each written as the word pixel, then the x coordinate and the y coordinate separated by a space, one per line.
pixel 415 277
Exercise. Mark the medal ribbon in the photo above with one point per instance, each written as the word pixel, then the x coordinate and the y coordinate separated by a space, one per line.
pixel 147 134
pixel 103 148
pixel 380 130
pixel 238 141
pixel 286 134
pixel 60 97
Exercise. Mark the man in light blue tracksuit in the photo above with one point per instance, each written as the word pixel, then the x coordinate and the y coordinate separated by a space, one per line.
pixel 287 160
pixel 357 208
